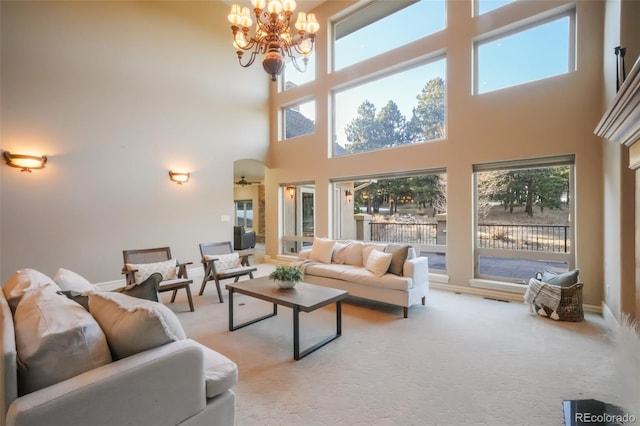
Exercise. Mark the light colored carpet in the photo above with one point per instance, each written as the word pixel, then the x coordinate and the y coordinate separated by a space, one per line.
pixel 461 360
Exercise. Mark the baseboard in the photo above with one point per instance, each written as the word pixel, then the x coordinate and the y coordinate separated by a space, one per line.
pixel 498 295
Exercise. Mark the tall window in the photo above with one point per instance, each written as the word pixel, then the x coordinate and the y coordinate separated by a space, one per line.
pixel 401 21
pixel 298 216
pixel 299 119
pixel 524 218
pixel 403 108
pixel 291 77
pixel 485 6
pixel 244 213
pixel 402 209
pixel 541 51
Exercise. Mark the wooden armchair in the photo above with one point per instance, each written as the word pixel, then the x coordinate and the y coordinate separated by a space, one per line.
pixel 140 263
pixel 221 262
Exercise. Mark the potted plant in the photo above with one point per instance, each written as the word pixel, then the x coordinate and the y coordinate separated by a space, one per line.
pixel 286 276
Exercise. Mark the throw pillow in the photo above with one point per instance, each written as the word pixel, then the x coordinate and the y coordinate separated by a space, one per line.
pixel 368 248
pixel 378 262
pixel 22 281
pixel 224 261
pixel 322 249
pixel 399 254
pixel 55 339
pixel 339 254
pixel 566 279
pixel 147 289
pixel 71 281
pixel 134 325
pixel 353 255
pixel 143 270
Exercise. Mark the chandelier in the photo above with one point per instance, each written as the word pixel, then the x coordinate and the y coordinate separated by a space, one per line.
pixel 273 36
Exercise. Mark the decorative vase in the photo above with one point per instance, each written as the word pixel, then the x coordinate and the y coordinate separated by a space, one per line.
pixel 286 284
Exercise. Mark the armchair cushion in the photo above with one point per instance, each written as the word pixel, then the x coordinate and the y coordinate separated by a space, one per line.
pixel 167 268
pixel 55 339
pixel 134 325
pixel 224 261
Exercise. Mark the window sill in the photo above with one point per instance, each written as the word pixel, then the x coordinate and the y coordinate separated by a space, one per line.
pixel 498 286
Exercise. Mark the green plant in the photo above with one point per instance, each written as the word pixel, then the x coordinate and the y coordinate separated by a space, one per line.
pixel 286 273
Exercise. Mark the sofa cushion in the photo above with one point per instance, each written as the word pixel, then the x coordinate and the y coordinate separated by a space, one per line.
pixel 143 270
pixel 378 262
pixel 390 281
pixel 322 249
pixel 147 289
pixel 224 261
pixel 134 325
pixel 353 255
pixel 23 281
pixel 339 254
pixel 55 339
pixel 70 281
pixel 330 271
pixel 368 248
pixel 399 252
pixel 221 373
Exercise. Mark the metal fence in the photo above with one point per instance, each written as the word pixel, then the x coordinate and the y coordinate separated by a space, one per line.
pixel 546 238
pixel 416 233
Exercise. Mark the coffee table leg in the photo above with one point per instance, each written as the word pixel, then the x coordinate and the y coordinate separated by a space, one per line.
pixel 244 324
pixel 297 355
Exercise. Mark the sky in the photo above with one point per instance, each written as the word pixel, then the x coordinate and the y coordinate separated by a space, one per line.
pixel 531 55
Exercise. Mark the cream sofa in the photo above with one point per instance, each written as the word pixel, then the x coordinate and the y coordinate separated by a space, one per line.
pixel 127 363
pixel 393 274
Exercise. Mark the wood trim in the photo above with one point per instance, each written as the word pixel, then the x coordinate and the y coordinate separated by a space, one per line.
pixel 621 122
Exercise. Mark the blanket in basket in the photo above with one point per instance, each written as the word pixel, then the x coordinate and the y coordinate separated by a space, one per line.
pixel 542 294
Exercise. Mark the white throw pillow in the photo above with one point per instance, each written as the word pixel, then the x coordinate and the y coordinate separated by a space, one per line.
pixel 368 248
pixel 322 249
pixel 22 281
pixel 224 261
pixel 166 268
pixel 378 262
pixel 56 339
pixel 134 325
pixel 71 281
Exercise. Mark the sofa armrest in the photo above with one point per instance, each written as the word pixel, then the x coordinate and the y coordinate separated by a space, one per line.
pixel 160 386
pixel 417 269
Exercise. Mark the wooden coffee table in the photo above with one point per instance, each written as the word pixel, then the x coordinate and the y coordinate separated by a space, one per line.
pixel 303 297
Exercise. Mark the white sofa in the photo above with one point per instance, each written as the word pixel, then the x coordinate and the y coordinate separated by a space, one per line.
pixel 178 381
pixel 348 265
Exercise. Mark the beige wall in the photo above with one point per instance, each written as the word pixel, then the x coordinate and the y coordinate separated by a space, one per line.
pixel 117 94
pixel 554 116
pixel 621 29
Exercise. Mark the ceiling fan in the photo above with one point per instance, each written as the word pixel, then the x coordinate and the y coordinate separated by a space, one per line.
pixel 244 182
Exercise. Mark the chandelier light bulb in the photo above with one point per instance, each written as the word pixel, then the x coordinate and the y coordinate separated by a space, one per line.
pixel 234 15
pixel 306 47
pixel 289 5
pixel 312 23
pixel 301 22
pixel 274 6
pixel 245 18
pixel 259 4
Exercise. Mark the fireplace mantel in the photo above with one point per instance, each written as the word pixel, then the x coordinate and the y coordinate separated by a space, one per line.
pixel 621 122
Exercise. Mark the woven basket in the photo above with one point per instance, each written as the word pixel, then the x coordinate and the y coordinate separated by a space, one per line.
pixel 570 308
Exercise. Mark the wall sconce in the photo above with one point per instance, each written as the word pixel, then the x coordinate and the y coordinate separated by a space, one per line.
pixel 24 162
pixel 179 177
pixel 347 194
pixel 291 190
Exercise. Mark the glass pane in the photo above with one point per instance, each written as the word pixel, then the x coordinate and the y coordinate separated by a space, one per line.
pixel 529 55
pixel 404 108
pixel 358 37
pixel 485 6
pixel 524 213
pixel 298 218
pixel 299 119
pixel 293 78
